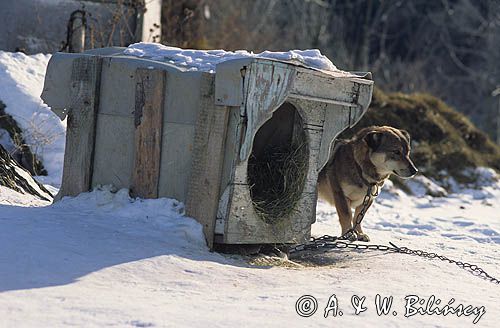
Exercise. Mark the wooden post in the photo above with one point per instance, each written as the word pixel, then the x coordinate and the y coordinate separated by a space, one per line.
pixel 208 157
pixel 80 132
pixel 78 26
pixel 148 118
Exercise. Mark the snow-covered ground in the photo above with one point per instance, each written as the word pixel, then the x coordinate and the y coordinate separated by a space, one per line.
pixel 21 83
pixel 104 259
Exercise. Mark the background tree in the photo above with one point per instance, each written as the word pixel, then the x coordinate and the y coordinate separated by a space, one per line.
pixel 450 48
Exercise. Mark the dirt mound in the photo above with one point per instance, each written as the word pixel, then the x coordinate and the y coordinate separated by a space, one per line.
pixel 442 138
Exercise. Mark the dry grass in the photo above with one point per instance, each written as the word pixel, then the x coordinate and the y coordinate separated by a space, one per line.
pixel 277 180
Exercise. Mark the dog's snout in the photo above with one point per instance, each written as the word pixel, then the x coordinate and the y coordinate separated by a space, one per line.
pixel 413 169
pixel 408 171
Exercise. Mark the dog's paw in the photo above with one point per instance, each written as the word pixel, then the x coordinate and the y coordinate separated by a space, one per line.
pixel 363 237
pixel 351 236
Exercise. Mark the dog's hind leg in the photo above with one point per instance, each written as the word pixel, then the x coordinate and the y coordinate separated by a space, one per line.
pixel 361 236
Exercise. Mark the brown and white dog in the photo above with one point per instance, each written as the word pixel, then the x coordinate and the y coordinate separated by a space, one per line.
pixel 369 158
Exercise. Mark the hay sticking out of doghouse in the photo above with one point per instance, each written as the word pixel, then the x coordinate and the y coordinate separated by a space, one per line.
pixel 277 180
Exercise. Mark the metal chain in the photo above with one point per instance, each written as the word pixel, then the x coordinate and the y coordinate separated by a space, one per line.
pixel 328 242
pixel 472 268
pixel 366 204
pixel 322 242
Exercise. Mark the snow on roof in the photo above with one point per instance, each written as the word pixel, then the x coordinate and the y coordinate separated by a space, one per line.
pixel 206 60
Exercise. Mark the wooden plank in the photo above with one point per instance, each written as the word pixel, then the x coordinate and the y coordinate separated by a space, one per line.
pixel 268 87
pixel 244 227
pixel 80 135
pixel 231 147
pixel 337 119
pixel 208 156
pixel 342 90
pixel 322 100
pixel 114 139
pixel 114 148
pixel 148 120
pixel 176 159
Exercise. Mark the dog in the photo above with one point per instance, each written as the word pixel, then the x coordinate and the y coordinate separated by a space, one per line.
pixel 368 159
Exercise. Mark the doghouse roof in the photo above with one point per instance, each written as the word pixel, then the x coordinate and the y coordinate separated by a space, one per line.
pixel 191 60
pixel 207 60
pixel 317 78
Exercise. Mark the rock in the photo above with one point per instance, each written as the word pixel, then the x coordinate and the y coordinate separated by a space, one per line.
pixel 21 152
pixel 15 177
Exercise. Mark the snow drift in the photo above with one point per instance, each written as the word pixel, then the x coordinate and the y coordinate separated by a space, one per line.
pixel 21 83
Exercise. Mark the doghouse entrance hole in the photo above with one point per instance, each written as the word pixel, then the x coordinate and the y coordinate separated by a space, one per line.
pixel 277 167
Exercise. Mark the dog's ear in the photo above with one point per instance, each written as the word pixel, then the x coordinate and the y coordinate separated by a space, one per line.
pixel 406 135
pixel 374 139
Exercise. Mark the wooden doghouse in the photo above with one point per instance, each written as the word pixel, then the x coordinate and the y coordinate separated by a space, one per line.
pixel 162 131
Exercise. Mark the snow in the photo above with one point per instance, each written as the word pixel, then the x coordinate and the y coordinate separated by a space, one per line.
pixel 21 83
pixel 12 197
pixel 421 186
pixel 6 141
pixel 103 258
pixel 206 60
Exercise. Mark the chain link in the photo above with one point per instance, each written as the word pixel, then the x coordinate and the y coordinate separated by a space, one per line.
pixel 328 242
pixel 370 193
pixel 472 268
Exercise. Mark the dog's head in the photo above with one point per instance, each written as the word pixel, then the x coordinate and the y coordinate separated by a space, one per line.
pixel 389 150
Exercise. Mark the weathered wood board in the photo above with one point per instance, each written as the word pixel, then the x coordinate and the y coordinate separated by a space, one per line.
pixel 114 151
pixel 337 119
pixel 208 156
pixel 176 159
pixel 267 87
pixel 148 121
pixel 80 135
pixel 114 145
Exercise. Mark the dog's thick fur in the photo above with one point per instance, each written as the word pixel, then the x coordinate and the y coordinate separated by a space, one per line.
pixel 369 158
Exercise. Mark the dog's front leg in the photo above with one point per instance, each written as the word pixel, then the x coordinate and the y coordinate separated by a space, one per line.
pixel 345 213
pixel 361 236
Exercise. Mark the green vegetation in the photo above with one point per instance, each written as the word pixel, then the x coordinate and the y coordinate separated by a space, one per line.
pixel 442 138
